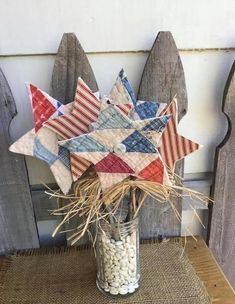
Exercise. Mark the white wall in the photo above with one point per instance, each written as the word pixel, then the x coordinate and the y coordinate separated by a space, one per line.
pixel 114 33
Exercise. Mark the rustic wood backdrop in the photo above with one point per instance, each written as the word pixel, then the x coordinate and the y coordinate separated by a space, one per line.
pixel 222 232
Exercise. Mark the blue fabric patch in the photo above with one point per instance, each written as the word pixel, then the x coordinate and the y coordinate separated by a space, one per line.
pixel 127 85
pixel 111 118
pixel 58 104
pixel 42 153
pixel 64 156
pixel 136 142
pixel 84 143
pixel 157 124
pixel 147 109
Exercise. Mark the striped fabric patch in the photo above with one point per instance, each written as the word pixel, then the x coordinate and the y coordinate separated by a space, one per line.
pixel 174 146
pixel 125 108
pixel 86 108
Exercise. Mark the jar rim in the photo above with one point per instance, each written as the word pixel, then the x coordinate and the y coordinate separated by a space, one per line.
pixel 104 224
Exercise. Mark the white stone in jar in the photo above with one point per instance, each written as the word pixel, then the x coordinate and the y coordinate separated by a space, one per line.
pixel 118 243
pixel 113 291
pixel 123 291
pixel 115 284
pixel 131 289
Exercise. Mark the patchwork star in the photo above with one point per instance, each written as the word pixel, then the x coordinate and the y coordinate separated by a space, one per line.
pixel 42 142
pixel 85 110
pixel 174 146
pixel 120 135
pixel 118 147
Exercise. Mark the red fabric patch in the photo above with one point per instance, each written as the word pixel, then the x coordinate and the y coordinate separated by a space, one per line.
pixel 124 108
pixel 153 172
pixel 42 107
pixel 113 164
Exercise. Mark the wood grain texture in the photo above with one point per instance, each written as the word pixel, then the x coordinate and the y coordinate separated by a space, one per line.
pixel 222 235
pixel 43 205
pixel 209 272
pixel 71 62
pixel 17 224
pixel 162 79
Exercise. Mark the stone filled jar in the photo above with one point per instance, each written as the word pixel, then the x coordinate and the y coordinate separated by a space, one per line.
pixel 117 255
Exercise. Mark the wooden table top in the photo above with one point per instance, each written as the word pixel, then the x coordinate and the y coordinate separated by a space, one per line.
pixel 209 272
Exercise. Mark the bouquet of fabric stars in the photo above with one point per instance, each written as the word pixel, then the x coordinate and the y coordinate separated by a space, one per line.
pixel 101 149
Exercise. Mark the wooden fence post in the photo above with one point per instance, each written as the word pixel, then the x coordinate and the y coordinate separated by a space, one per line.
pixel 162 79
pixel 71 62
pixel 222 234
pixel 17 224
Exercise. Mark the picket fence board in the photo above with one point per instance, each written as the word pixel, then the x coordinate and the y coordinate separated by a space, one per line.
pixel 17 224
pixel 71 62
pixel 162 79
pixel 222 234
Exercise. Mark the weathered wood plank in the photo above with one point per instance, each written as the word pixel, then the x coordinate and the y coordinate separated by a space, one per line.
pixel 209 272
pixel 162 79
pixel 43 204
pixel 71 62
pixel 17 225
pixel 222 235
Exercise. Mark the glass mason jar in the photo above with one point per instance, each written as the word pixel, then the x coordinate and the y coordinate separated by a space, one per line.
pixel 117 255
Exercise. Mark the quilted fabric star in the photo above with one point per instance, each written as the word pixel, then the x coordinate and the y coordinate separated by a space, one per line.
pixel 42 142
pixel 174 146
pixel 118 147
pixel 85 110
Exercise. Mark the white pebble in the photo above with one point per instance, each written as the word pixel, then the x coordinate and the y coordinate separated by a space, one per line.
pixel 131 289
pixel 123 291
pixel 118 243
pixel 136 285
pixel 113 291
pixel 118 256
pixel 115 284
